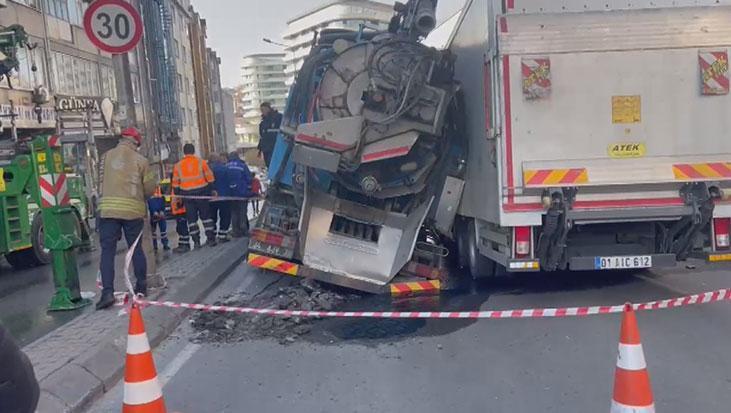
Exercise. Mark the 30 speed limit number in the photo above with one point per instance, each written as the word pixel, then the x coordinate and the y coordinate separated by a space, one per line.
pixel 114 26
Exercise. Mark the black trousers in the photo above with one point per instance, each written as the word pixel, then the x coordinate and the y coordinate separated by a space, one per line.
pixel 239 218
pixel 199 209
pixel 181 227
pixel 221 214
pixel 110 231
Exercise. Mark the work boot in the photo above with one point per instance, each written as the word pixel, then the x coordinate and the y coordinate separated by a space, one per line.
pixel 181 249
pixel 212 243
pixel 166 247
pixel 141 290
pixel 197 244
pixel 106 301
pixel 224 239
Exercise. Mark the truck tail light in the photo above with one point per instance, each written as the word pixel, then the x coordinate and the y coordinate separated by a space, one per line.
pixel 721 227
pixel 522 241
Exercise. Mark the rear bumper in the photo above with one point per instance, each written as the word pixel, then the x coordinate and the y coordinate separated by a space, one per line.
pixel 298 270
pixel 587 263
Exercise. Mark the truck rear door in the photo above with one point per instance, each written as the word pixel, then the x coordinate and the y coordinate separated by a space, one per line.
pixel 627 105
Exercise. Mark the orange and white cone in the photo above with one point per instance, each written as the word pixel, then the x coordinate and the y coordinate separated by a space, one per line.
pixel 142 392
pixel 632 391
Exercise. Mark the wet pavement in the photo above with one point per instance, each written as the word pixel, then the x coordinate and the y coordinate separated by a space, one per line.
pixel 512 365
pixel 25 295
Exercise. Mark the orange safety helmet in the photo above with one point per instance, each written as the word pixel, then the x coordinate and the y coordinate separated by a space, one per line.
pixel 134 134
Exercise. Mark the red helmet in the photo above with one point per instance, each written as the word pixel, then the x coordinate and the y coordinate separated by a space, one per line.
pixel 134 134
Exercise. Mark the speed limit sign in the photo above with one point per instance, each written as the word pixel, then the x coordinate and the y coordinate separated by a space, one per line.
pixel 114 26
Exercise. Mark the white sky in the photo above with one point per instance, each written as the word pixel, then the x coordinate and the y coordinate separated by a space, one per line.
pixel 236 27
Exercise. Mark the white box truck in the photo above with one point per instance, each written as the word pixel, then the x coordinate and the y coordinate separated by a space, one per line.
pixel 599 133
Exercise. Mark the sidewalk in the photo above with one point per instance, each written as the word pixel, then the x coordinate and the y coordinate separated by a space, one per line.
pixel 77 362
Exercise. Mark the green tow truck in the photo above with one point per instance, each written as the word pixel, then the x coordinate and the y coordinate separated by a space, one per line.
pixel 22 238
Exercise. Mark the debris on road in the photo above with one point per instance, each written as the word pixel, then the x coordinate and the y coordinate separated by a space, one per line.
pixel 231 327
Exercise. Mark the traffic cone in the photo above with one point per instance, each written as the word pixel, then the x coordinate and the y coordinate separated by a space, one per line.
pixel 142 392
pixel 632 391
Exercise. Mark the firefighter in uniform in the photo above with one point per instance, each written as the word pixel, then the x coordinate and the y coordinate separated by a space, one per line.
pixel 194 179
pixel 127 182
pixel 177 208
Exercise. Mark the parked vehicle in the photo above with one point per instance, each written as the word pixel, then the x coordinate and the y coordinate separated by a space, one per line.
pixel 550 135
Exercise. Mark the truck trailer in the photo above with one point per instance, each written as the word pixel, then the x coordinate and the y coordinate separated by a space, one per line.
pixel 549 135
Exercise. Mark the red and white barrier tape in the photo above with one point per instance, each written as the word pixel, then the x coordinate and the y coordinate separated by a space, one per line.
pixel 218 198
pixel 695 299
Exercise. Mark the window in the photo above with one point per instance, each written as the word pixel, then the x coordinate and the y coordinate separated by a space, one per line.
pixel 76 10
pixel 135 88
pixel 80 77
pixel 109 86
pixel 58 9
pixel 24 77
pixel 187 87
pixel 177 47
pixel 183 117
pixel 30 3
pixel 180 83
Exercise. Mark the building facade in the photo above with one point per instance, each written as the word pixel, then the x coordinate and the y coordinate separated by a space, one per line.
pixel 337 14
pixel 229 126
pixel 202 90
pixel 216 96
pixel 66 63
pixel 184 78
pixel 263 79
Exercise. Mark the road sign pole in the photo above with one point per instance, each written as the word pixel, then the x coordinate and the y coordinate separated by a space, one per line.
pixel 60 232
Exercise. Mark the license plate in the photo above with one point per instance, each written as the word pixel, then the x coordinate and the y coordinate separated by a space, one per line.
pixel 271 250
pixel 619 263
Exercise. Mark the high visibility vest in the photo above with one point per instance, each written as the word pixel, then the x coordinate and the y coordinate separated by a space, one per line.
pixel 176 204
pixel 192 173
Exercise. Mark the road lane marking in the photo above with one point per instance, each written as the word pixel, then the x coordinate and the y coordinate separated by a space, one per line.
pixel 178 362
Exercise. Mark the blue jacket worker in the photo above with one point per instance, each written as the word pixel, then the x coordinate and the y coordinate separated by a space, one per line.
pixel 156 206
pixel 239 177
pixel 221 209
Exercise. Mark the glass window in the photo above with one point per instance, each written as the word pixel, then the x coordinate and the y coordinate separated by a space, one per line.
pixel 182 116
pixel 177 47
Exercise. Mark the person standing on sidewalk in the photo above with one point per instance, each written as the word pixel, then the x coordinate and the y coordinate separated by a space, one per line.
pixel 193 180
pixel 156 206
pixel 177 208
pixel 126 183
pixel 255 192
pixel 220 209
pixel 240 185
pixel 271 121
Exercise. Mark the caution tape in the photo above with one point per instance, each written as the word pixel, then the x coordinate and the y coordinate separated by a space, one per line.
pixel 695 299
pixel 218 198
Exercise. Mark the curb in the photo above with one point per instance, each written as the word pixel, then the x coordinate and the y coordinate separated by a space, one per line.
pixel 74 386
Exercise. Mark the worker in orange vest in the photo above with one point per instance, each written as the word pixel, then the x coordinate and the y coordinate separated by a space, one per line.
pixel 193 180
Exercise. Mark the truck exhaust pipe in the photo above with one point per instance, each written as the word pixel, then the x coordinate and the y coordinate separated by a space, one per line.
pixel 425 19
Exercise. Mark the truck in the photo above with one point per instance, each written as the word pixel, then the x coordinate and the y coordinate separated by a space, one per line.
pixel 567 136
pixel 21 226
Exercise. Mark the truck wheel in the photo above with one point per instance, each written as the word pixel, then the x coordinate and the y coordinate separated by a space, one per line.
pixel 40 254
pixel 22 259
pixel 479 265
pixel 460 228
pixel 36 254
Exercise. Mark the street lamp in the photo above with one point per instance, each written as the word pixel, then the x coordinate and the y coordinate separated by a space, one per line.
pixel 270 41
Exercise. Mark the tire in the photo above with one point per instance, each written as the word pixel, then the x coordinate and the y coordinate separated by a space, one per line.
pixel 40 255
pixel 479 265
pixel 21 260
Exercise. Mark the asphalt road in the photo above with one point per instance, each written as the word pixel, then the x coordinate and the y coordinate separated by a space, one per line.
pixel 545 365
